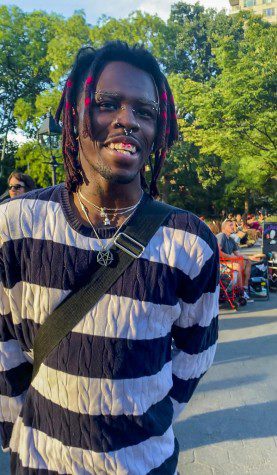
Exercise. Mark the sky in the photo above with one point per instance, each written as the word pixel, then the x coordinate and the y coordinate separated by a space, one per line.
pixel 118 9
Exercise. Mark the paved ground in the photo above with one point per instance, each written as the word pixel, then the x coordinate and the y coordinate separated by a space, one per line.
pixel 230 426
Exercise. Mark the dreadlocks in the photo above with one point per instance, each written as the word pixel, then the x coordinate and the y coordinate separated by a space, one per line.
pixel 88 65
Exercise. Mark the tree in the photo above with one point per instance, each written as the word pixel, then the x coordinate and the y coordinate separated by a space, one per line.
pixel 24 68
pixel 192 32
pixel 69 36
pixel 233 115
pixel 137 28
pixel 29 158
pixel 8 164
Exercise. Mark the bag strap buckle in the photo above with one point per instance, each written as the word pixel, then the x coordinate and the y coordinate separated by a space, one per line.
pixel 129 245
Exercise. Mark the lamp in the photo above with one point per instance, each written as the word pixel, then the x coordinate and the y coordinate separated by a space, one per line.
pixel 49 137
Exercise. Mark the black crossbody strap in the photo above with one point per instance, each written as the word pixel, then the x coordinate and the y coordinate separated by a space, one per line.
pixel 128 245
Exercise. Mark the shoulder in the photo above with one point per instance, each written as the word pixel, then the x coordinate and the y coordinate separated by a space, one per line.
pixel 20 212
pixel 221 237
pixel 187 223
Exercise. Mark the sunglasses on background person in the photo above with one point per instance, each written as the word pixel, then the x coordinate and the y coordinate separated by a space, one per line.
pixel 16 187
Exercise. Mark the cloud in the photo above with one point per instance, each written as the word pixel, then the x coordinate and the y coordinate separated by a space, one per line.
pixel 118 9
pixel 162 7
pixel 159 7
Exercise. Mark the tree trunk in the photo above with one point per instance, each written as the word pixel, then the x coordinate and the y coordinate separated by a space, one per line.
pixel 246 204
pixel 165 190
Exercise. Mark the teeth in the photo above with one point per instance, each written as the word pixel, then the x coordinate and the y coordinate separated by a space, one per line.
pixel 123 147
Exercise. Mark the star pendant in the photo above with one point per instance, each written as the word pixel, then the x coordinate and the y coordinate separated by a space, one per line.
pixel 105 257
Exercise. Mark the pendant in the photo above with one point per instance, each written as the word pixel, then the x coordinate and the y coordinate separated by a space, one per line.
pixel 105 257
pixel 103 214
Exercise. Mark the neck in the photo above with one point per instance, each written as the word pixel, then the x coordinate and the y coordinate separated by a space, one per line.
pixel 110 196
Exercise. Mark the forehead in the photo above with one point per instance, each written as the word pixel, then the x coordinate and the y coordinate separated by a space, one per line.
pixel 127 80
pixel 15 181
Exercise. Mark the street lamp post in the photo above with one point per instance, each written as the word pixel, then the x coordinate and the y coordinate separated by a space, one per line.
pixel 49 137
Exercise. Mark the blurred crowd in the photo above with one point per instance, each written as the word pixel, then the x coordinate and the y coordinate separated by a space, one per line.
pixel 247 228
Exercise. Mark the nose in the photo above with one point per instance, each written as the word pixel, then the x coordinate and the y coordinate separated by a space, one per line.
pixel 126 118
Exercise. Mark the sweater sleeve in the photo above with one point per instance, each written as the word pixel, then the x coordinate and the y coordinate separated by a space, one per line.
pixel 195 332
pixel 15 370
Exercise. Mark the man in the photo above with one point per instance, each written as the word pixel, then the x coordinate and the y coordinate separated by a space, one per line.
pixel 104 400
pixel 228 247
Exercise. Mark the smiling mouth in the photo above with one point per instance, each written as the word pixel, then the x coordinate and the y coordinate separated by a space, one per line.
pixel 123 148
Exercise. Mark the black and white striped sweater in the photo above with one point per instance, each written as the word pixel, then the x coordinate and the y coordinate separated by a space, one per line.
pixel 104 400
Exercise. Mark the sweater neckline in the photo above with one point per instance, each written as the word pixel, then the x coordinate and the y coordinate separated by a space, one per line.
pixel 75 222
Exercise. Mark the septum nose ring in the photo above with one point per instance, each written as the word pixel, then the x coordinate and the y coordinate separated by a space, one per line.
pixel 127 132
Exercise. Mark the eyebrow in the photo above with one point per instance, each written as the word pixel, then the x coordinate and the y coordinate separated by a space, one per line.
pixel 120 96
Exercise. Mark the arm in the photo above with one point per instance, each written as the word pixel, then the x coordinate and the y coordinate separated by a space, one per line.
pixel 15 371
pixel 223 254
pixel 195 332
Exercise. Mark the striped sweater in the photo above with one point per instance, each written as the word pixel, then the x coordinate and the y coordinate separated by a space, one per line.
pixel 104 400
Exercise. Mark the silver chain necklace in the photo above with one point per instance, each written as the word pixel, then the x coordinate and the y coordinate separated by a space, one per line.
pixel 104 211
pixel 104 256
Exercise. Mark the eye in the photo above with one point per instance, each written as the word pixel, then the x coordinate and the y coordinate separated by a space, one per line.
pixel 146 112
pixel 106 105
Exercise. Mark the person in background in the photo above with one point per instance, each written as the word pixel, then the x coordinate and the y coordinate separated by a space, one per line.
pixel 254 223
pixel 228 248
pixel 239 220
pixel 19 183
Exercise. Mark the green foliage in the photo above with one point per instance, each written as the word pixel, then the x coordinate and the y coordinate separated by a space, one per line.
pixel 137 28
pixel 69 36
pixel 31 159
pixel 222 75
pixel 24 67
pixel 8 164
pixel 192 33
pixel 232 116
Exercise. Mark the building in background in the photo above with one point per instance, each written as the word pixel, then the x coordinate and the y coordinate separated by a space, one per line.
pixel 266 8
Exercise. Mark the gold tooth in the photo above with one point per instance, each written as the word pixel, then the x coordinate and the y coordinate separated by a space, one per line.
pixel 116 146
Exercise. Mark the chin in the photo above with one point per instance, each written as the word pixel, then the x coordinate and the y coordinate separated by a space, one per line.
pixel 118 176
pixel 122 179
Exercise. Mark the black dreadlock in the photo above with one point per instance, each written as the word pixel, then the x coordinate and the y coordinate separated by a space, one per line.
pixel 86 69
